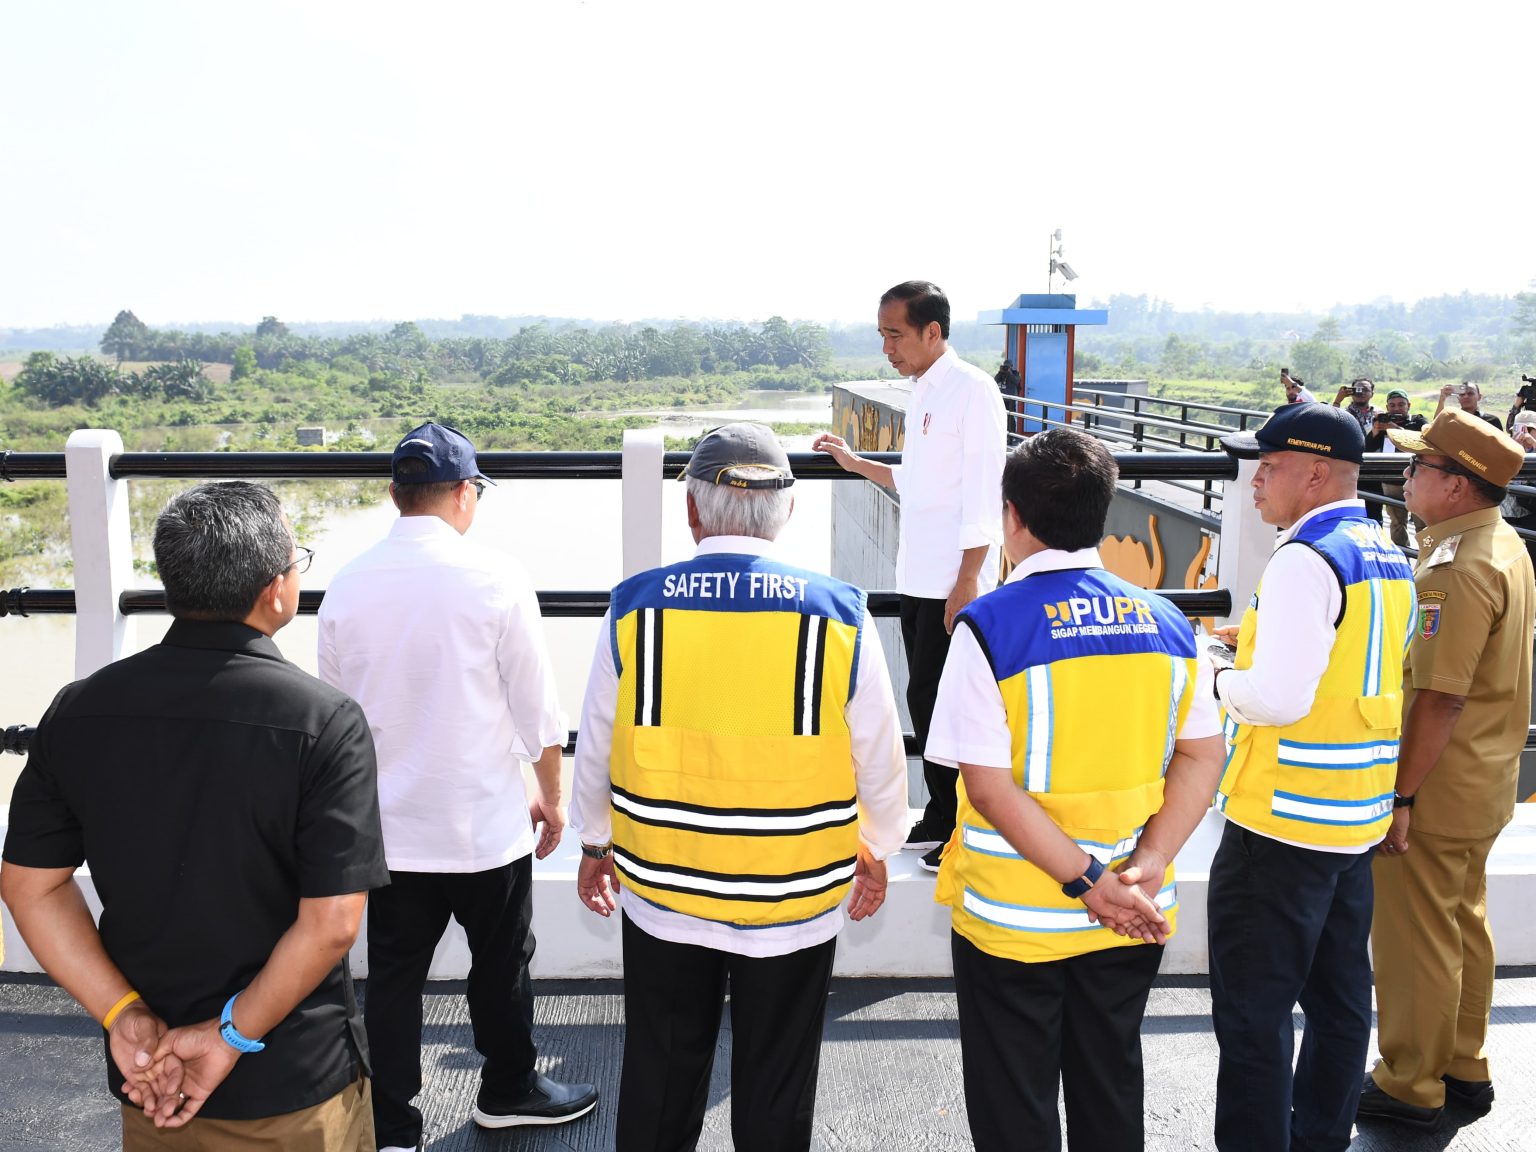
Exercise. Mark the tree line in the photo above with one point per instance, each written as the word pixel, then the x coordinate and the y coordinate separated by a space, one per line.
pixel 61 380
pixel 537 353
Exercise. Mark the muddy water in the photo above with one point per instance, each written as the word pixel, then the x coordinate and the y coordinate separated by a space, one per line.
pixel 565 533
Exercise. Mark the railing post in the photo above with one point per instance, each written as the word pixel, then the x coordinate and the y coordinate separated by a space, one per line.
pixel 101 542
pixel 641 493
pixel 1246 542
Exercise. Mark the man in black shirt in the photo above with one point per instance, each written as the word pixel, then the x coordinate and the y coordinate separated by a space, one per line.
pixel 1395 416
pixel 1470 397
pixel 226 804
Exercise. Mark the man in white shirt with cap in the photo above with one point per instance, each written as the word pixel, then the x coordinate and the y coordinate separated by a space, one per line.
pixel 740 772
pixel 442 644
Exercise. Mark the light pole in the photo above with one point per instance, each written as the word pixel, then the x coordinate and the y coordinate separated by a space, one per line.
pixel 1057 264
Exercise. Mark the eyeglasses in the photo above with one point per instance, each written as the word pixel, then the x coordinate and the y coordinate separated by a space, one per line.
pixel 1416 463
pixel 300 563
pixel 479 486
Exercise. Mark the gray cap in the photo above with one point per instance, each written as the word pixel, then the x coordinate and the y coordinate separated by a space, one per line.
pixel 742 456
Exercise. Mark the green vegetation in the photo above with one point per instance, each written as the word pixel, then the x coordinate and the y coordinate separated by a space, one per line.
pixel 539 384
pixel 545 388
pixel 1486 339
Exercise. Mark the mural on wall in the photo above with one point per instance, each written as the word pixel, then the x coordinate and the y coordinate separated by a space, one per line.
pixel 868 425
pixel 1128 558
pixel 1145 564
pixel 1141 556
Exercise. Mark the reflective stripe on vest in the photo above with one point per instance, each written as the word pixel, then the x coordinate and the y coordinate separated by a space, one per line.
pixel 1093 759
pixel 1327 779
pixel 732 778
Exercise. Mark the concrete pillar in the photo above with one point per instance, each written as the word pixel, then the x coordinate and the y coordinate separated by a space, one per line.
pixel 641 490
pixel 102 545
pixel 1246 542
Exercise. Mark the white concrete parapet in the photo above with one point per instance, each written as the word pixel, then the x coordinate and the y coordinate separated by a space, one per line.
pixel 1245 544
pixel 909 936
pixel 101 542
pixel 641 484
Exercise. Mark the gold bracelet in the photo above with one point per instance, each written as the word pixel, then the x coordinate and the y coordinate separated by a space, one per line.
pixel 117 1010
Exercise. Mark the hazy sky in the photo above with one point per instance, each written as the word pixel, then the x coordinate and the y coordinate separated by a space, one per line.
pixel 619 159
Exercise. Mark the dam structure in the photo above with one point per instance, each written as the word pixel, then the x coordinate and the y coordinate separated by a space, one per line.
pixel 1181 522
pixel 1171 527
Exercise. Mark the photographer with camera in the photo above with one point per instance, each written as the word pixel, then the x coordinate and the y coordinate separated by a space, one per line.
pixel 1376 440
pixel 1470 397
pixel 1358 392
pixel 1525 401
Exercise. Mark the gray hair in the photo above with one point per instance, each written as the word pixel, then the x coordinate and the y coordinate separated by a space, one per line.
pixel 217 546
pixel 727 511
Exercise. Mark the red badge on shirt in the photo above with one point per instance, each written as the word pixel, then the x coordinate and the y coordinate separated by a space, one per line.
pixel 1429 620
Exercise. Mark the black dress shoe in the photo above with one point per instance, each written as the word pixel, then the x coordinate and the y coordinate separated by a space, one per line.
pixel 1472 1093
pixel 1378 1105
pixel 547 1102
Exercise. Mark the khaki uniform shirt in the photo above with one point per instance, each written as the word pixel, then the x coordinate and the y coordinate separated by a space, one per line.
pixel 1472 638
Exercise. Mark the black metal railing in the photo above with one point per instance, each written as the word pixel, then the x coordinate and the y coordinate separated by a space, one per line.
pixel 1166 462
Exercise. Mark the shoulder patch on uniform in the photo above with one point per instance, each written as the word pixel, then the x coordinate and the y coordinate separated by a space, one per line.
pixel 1430 594
pixel 1429 620
pixel 1444 552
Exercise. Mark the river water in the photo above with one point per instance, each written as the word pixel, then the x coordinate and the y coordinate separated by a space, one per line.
pixel 565 533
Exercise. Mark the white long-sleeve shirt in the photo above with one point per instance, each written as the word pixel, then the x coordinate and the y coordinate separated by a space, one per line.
pixel 880 775
pixel 950 477
pixel 442 644
pixel 1297 615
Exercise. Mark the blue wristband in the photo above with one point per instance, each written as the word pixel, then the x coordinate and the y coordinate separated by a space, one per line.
pixel 1080 887
pixel 231 1034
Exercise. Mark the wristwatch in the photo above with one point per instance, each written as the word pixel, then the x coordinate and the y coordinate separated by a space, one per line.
pixel 596 851
pixel 1080 887
pixel 231 1034
pixel 1401 801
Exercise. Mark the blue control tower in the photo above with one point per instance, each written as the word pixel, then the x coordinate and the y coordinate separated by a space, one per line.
pixel 1040 334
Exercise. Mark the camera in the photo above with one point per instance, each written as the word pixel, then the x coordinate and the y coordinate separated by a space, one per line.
pixel 1459 389
pixel 1527 388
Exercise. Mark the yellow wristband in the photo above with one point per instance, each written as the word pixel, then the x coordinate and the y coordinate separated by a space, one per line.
pixel 117 1010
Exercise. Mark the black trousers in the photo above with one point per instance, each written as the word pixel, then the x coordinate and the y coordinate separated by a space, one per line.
pixel 673 996
pixel 927 644
pixel 1288 926
pixel 405 922
pixel 1026 1029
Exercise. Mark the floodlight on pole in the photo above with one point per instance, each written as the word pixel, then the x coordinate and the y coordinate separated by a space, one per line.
pixel 1057 264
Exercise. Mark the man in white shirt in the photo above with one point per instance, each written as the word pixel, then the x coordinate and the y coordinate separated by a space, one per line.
pixel 950 483
pixel 1314 712
pixel 442 644
pixel 740 768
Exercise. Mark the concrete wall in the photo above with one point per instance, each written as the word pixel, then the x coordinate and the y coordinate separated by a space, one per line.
pixel 865 521
pixel 909 936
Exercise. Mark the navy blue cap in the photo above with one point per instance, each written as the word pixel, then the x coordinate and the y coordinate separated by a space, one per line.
pixel 447 454
pixel 1320 429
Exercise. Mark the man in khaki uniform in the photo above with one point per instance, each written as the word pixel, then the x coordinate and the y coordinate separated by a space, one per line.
pixel 1467 682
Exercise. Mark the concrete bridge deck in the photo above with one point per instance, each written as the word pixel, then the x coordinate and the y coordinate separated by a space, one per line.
pixel 890 1077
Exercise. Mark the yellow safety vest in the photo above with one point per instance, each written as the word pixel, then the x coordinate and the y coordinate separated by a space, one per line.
pixel 1096 677
pixel 1327 779
pixel 732 770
